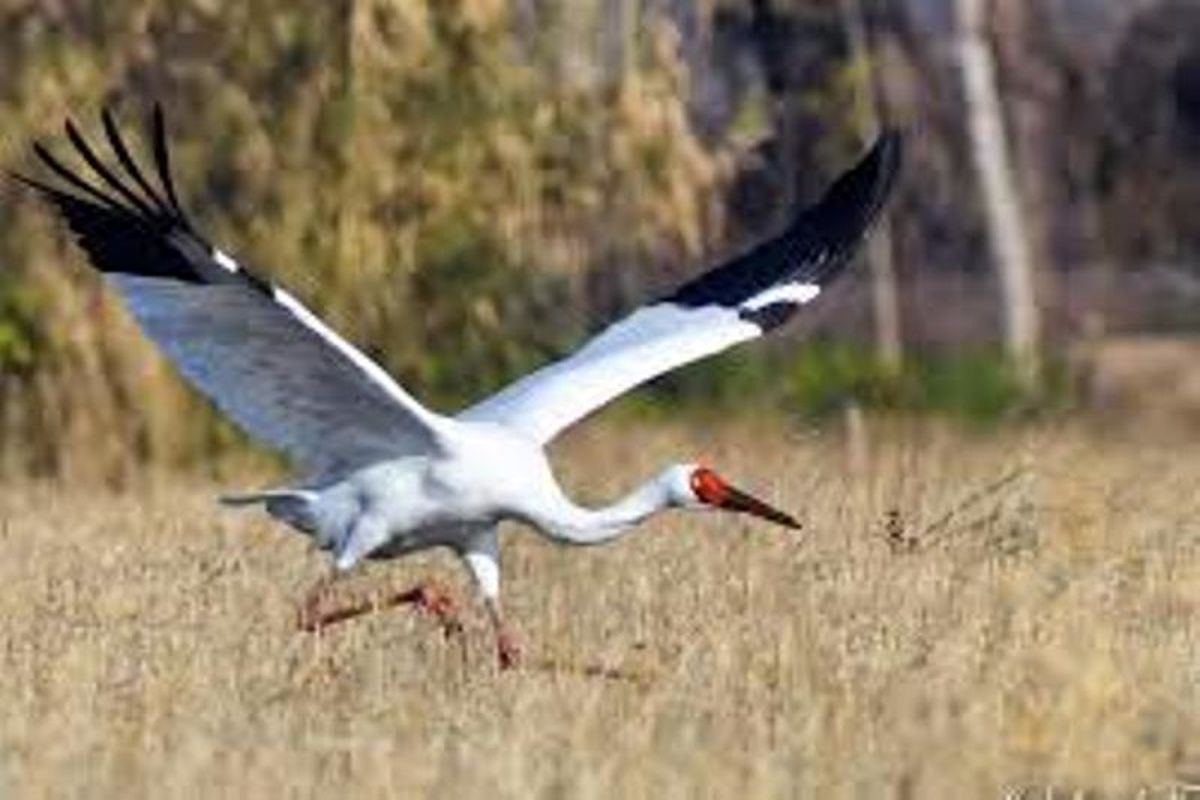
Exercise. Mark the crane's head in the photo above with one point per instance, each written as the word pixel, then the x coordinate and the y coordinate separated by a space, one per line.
pixel 694 486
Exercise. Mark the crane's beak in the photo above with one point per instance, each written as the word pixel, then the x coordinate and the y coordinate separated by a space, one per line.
pixel 737 500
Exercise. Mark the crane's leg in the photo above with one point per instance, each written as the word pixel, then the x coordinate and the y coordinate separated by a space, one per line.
pixel 308 615
pixel 366 534
pixel 508 652
pixel 430 597
pixel 482 556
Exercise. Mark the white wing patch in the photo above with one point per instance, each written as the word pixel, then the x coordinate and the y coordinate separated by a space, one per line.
pixel 798 293
pixel 225 261
pixel 372 370
pixel 649 342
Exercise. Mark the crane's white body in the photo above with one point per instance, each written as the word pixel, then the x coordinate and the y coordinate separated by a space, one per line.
pixel 385 475
pixel 482 474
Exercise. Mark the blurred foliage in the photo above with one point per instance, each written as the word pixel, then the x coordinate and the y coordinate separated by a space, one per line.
pixel 425 175
pixel 18 328
pixel 466 188
pixel 823 377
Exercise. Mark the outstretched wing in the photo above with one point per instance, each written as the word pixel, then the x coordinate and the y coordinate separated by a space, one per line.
pixel 256 351
pixel 741 300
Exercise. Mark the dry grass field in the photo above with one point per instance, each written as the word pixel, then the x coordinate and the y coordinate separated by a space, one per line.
pixel 963 616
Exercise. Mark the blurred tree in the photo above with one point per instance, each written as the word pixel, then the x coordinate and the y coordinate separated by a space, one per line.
pixel 413 168
pixel 1006 224
pixel 871 105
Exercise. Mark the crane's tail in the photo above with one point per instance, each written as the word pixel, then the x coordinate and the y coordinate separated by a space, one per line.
pixel 296 507
pixel 268 496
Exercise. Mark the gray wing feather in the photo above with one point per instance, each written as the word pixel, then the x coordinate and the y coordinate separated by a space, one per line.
pixel 280 381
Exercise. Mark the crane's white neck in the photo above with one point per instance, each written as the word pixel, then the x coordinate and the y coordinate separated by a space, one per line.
pixel 572 524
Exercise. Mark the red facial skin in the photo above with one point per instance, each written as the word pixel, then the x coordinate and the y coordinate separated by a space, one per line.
pixel 711 489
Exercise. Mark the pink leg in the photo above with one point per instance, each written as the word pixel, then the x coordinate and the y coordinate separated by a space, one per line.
pixel 508 652
pixel 429 597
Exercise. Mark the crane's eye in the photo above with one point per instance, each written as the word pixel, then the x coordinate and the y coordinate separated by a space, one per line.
pixel 709 487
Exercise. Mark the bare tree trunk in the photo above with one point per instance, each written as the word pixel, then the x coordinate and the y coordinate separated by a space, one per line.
pixel 1006 225
pixel 885 295
pixel 354 14
pixel 631 18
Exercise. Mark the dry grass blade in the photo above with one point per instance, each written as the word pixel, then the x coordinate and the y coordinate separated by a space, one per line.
pixel 148 647
pixel 937 532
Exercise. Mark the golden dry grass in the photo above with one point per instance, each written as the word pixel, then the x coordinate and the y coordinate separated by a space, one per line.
pixel 962 616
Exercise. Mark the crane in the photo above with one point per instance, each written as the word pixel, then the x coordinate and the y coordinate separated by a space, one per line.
pixel 383 475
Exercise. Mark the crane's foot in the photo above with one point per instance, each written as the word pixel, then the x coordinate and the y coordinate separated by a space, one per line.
pixel 435 599
pixel 508 652
pixel 309 616
pixel 429 597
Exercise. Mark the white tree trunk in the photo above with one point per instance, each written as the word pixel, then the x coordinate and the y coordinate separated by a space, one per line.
pixel 1006 225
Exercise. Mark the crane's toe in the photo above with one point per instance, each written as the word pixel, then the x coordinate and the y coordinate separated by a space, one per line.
pixel 435 599
pixel 309 616
pixel 507 650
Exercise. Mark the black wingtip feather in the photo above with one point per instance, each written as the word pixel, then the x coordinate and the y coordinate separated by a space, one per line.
pixel 860 193
pixel 74 180
pixel 55 196
pixel 814 248
pixel 106 175
pixel 150 237
pixel 117 144
pixel 846 213
pixel 31 183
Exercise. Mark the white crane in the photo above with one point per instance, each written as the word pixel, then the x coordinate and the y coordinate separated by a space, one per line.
pixel 385 476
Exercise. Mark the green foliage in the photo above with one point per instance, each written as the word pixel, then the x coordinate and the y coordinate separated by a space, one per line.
pixel 818 378
pixel 979 385
pixel 513 322
pixel 18 328
pixel 826 376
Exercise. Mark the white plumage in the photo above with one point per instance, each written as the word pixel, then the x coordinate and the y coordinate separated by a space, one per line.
pixel 383 475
